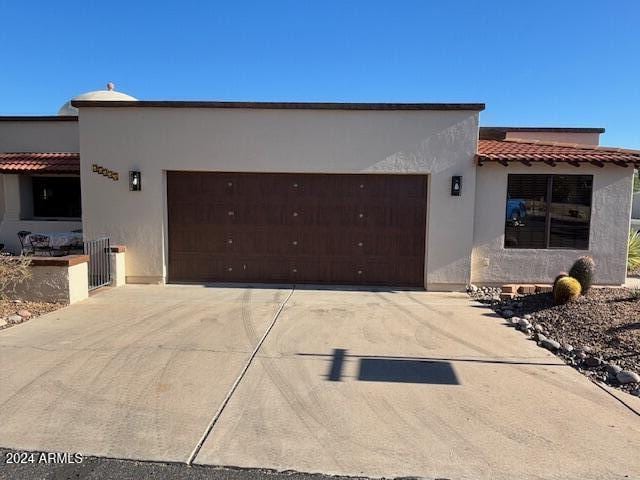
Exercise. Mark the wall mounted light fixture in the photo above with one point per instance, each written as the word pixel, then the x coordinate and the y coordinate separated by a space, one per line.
pixel 135 181
pixel 456 185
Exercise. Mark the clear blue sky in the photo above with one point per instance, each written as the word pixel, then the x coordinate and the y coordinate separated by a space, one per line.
pixel 542 63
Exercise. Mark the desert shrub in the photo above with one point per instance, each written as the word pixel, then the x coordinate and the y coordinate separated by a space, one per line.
pixel 633 256
pixel 13 270
pixel 566 290
pixel 583 270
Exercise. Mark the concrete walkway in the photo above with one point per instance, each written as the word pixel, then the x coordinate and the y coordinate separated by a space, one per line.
pixel 632 282
pixel 359 383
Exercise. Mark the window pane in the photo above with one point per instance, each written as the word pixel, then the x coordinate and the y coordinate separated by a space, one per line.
pixel 56 196
pixel 525 225
pixel 570 211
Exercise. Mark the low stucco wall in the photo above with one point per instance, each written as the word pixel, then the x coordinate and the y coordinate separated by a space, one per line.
pixel 118 265
pixel 154 140
pixel 60 279
pixel 610 213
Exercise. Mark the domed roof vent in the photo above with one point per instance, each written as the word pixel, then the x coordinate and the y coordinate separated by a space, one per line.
pixel 103 95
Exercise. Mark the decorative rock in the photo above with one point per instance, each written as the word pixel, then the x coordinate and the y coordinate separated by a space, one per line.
pixel 636 392
pixel 524 324
pixel 507 313
pixel 3 321
pixel 528 317
pixel 613 369
pixel 13 319
pixel 550 344
pixel 24 313
pixel 539 337
pixel 537 328
pixel 626 376
pixel 593 361
pixel 567 347
pixel 581 355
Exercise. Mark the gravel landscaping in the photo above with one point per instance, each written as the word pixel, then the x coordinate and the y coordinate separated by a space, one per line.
pixel 599 333
pixel 13 312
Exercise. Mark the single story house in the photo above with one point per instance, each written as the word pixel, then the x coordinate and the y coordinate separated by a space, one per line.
pixel 326 193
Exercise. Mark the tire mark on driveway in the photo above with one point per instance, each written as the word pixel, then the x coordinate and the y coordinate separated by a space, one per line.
pixel 235 385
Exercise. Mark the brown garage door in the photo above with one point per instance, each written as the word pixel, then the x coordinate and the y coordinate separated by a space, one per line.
pixel 297 228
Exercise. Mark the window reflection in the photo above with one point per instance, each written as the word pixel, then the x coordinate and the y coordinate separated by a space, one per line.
pixel 526 211
pixel 548 211
pixel 570 211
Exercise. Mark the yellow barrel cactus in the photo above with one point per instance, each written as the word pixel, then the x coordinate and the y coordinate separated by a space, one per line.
pixel 566 289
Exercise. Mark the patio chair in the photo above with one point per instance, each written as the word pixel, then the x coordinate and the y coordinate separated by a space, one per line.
pixel 40 244
pixel 25 248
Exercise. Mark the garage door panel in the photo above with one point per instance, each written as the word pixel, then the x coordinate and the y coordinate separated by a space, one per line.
pixel 304 228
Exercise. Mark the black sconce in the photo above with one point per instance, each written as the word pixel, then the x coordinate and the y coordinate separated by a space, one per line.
pixel 456 185
pixel 135 181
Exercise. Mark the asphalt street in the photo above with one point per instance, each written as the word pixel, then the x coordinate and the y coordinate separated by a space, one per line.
pixel 107 469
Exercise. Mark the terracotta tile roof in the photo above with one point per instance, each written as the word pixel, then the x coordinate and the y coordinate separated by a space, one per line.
pixel 49 162
pixel 528 151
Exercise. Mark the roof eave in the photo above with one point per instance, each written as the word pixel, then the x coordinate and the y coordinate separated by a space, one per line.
pixel 280 105
pixel 39 118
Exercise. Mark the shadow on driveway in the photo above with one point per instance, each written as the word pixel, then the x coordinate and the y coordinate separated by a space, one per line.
pixel 392 369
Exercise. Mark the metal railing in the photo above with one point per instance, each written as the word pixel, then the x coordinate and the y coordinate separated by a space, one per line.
pixel 99 262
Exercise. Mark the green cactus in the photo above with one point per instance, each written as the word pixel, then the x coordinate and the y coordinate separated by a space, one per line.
pixel 583 270
pixel 560 275
pixel 566 290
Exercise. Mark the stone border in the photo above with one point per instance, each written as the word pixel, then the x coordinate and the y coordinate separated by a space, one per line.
pixel 580 358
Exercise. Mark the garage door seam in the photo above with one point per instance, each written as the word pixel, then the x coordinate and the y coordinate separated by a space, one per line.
pixel 233 388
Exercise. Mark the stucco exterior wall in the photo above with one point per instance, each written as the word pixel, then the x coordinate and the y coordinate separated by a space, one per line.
pixel 154 140
pixel 12 221
pixel 563 137
pixel 39 136
pixel 2 199
pixel 635 212
pixel 611 208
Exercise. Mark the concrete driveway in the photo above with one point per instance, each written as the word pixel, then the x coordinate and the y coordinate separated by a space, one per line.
pixel 135 372
pixel 359 383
